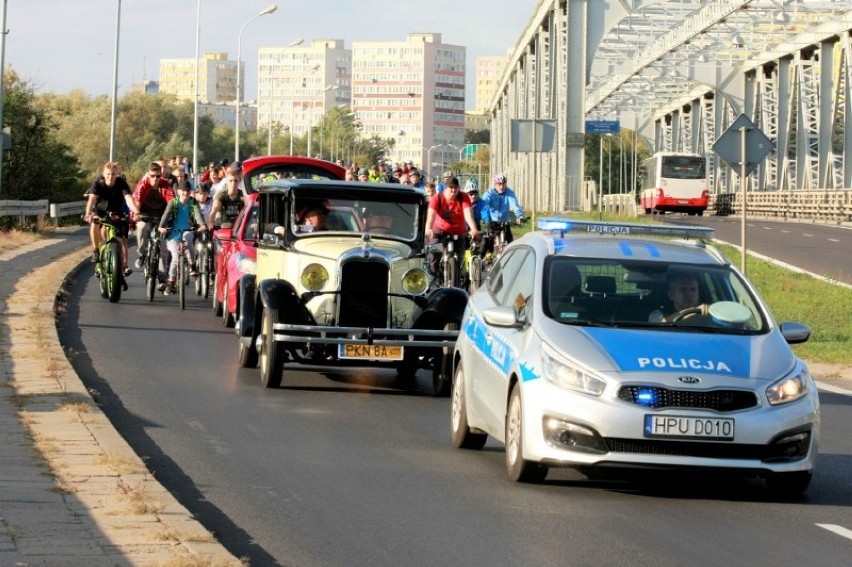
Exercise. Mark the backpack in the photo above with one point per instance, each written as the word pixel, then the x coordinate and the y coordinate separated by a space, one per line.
pixel 192 204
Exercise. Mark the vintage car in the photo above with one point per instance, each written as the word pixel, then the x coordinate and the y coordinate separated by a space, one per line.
pixel 354 292
pixel 596 345
pixel 235 244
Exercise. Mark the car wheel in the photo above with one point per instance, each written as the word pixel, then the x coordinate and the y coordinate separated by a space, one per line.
pixel 519 469
pixel 442 373
pixel 217 302
pixel 463 437
pixel 788 486
pixel 271 352
pixel 227 319
pixel 248 355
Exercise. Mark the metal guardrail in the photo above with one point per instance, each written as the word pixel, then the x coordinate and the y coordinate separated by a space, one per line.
pixel 818 206
pixel 24 209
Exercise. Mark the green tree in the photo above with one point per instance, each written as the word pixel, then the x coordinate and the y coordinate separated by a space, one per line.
pixel 39 166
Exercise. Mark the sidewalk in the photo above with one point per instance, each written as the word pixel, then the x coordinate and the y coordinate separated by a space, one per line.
pixel 72 492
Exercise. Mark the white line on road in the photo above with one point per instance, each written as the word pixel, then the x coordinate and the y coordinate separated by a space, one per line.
pixel 833 240
pixel 839 530
pixel 785 231
pixel 833 389
pixel 808 235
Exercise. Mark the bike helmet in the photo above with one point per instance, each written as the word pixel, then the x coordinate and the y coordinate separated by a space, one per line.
pixel 447 174
pixel 499 178
pixel 471 186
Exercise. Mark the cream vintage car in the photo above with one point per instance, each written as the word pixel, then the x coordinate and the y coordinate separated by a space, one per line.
pixel 352 294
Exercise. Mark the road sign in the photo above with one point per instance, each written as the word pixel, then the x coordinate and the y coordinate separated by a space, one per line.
pixel 603 127
pixel 729 145
pixel 522 135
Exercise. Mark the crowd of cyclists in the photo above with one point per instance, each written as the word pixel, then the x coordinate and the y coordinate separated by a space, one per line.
pixel 165 203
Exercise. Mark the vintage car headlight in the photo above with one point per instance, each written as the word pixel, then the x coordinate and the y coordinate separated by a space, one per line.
pixel 415 281
pixel 789 388
pixel 565 375
pixel 314 277
pixel 246 265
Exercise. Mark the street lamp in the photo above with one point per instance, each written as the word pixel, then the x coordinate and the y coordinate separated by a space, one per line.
pixel 114 78
pixel 195 105
pixel 268 10
pixel 296 43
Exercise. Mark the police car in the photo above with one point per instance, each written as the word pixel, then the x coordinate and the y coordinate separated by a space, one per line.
pixel 594 344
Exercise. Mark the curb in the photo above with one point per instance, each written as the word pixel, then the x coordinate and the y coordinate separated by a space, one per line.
pixel 122 514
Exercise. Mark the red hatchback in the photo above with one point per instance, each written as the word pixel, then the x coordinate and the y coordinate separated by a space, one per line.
pixel 235 246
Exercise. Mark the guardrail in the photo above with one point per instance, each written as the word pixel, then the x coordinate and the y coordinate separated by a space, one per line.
pixel 24 209
pixel 818 206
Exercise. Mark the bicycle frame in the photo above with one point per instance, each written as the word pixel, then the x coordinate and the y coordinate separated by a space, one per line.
pixel 110 266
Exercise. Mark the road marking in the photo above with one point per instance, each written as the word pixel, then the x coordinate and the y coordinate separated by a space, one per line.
pixel 833 240
pixel 833 389
pixel 785 231
pixel 839 530
pixel 808 235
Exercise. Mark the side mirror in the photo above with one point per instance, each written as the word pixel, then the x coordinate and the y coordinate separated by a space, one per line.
pixel 223 233
pixel 795 333
pixel 501 316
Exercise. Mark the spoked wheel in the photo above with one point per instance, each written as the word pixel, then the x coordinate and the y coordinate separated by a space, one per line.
pixel 271 352
pixel 462 436
pixel 442 381
pixel 113 272
pixel 519 469
pixel 204 275
pixel 475 273
pixel 151 275
pixel 181 281
pixel 217 301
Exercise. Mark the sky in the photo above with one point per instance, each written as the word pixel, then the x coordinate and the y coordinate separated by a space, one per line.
pixel 64 45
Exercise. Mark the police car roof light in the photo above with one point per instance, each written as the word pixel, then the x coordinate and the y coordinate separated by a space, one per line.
pixel 564 226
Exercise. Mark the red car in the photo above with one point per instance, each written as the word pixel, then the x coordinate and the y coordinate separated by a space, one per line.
pixel 235 251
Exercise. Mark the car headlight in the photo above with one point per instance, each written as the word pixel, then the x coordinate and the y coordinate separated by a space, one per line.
pixel 314 277
pixel 415 281
pixel 789 388
pixel 246 265
pixel 565 375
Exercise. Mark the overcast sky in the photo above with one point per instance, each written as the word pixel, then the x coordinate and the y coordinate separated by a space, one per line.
pixel 62 45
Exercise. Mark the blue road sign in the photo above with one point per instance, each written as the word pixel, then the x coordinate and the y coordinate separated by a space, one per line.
pixel 603 127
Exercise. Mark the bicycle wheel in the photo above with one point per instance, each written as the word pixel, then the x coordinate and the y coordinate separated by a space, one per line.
pixel 204 276
pixel 181 279
pixel 100 272
pixel 199 266
pixel 152 272
pixel 451 272
pixel 113 272
pixel 475 273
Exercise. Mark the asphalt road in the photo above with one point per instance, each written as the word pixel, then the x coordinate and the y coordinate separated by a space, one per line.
pixel 821 249
pixel 345 469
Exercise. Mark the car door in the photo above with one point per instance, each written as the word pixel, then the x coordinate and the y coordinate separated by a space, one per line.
pixel 496 344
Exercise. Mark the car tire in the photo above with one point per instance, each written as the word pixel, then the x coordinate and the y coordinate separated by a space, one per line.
pixel 217 301
pixel 788 486
pixel 462 436
pixel 518 468
pixel 442 373
pixel 271 352
pixel 247 355
pixel 227 318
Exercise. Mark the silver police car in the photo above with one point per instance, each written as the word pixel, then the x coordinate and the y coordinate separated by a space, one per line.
pixel 594 344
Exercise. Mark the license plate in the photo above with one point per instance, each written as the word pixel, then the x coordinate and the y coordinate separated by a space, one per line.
pixel 369 352
pixel 714 428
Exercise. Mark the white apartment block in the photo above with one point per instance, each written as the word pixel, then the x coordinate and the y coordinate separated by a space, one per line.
pixel 217 78
pixel 412 92
pixel 298 84
pixel 489 71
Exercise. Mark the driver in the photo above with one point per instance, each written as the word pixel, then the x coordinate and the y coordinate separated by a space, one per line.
pixel 684 295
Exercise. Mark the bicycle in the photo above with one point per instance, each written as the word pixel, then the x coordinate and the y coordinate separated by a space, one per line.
pixel 204 260
pixel 151 267
pixel 110 267
pixel 182 279
pixel 475 266
pixel 450 268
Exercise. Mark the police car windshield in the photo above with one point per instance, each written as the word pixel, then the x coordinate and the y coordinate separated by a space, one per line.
pixel 632 293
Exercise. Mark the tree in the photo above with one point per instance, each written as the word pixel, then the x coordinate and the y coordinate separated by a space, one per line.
pixel 39 166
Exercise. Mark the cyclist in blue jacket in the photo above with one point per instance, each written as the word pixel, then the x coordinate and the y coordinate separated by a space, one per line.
pixel 499 203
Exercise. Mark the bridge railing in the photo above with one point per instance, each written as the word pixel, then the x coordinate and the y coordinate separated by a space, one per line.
pixel 821 206
pixel 40 208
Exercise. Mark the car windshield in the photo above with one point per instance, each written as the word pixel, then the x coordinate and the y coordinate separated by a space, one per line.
pixel 367 213
pixel 276 171
pixel 649 294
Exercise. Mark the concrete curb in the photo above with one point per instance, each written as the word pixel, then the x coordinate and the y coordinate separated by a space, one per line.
pixel 100 502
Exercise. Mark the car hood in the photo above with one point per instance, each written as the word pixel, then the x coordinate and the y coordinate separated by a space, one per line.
pixel 609 350
pixel 331 247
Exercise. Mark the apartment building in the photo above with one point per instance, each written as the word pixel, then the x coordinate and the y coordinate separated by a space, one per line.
pixel 298 84
pixel 489 71
pixel 412 92
pixel 217 78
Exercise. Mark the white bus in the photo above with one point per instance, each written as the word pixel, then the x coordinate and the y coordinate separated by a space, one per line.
pixel 675 182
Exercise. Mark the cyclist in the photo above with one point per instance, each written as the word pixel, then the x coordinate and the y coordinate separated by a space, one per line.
pixel 498 202
pixel 110 194
pixel 151 196
pixel 448 176
pixel 181 213
pixel 449 213
pixel 228 203
pixel 471 187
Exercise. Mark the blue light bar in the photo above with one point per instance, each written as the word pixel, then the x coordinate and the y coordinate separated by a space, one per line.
pixel 583 226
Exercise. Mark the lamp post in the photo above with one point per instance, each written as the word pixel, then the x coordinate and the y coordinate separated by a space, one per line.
pixel 268 10
pixel 195 108
pixel 2 66
pixel 114 112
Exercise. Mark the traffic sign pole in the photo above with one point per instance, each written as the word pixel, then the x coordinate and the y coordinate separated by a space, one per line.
pixel 743 185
